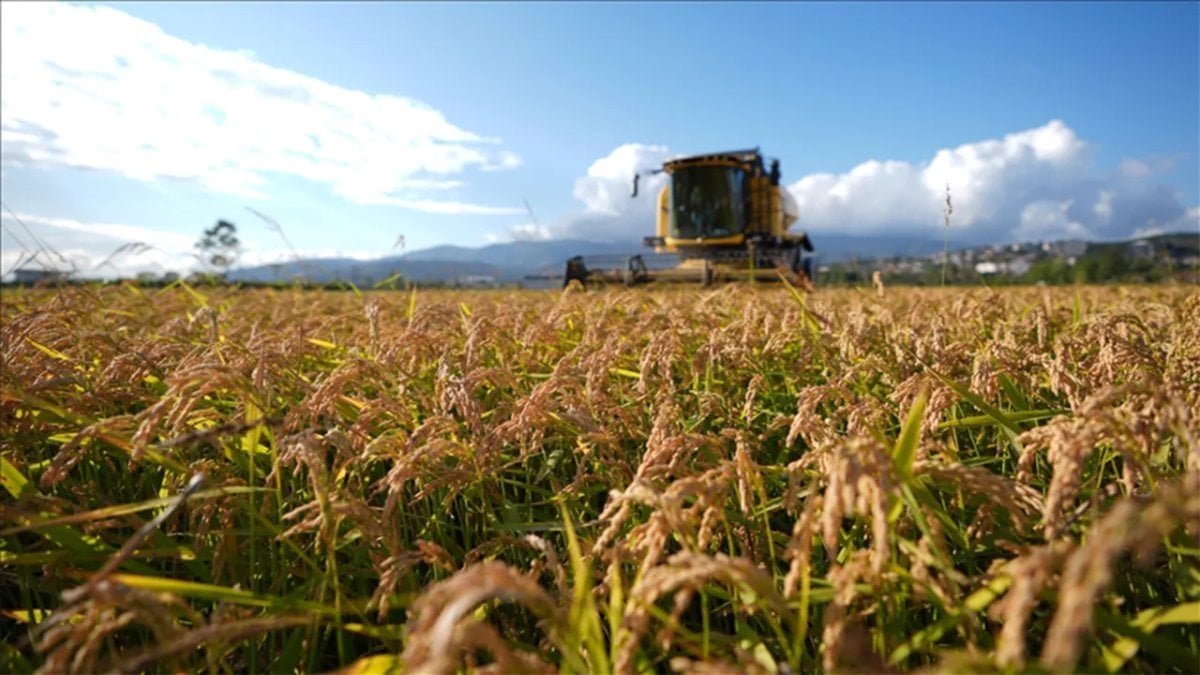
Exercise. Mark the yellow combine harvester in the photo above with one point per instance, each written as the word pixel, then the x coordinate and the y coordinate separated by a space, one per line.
pixel 721 216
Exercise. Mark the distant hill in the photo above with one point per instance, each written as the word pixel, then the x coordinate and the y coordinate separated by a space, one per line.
pixel 366 272
pixel 1181 243
pixel 510 262
pixel 840 247
pixel 523 255
pixel 507 262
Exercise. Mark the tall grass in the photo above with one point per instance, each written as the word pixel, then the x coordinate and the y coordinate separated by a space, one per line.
pixel 619 481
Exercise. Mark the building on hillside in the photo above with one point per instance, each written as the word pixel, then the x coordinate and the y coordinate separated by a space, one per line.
pixel 34 275
pixel 1073 248
pixel 1015 267
pixel 1018 266
pixel 1141 249
pixel 476 280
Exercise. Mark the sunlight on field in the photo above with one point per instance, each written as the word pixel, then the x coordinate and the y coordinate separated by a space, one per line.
pixel 615 481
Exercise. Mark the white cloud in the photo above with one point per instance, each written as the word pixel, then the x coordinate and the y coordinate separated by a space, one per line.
pixel 1047 219
pixel 1103 208
pixel 894 188
pixel 610 213
pixel 1134 168
pixel 436 206
pixel 990 181
pixel 506 160
pixel 607 186
pixel 108 250
pixel 1152 165
pixel 93 87
pixel 255 258
pixel 527 232
pixel 116 231
pixel 93 249
pixel 1189 221
pixel 1033 184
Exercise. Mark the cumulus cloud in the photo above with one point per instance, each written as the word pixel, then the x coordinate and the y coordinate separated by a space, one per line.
pixel 1048 219
pixel 95 88
pixel 1189 221
pixel 1034 184
pixel 259 256
pixel 606 186
pixel 610 213
pixel 531 231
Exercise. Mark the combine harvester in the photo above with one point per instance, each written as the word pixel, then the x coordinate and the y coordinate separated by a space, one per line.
pixel 721 217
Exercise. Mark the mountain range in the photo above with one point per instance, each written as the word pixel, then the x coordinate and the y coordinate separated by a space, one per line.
pixel 510 262
pixel 518 261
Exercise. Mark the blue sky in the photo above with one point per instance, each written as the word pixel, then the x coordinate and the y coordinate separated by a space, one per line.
pixel 354 124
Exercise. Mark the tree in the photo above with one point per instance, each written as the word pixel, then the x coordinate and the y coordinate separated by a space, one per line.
pixel 1109 263
pixel 1050 271
pixel 219 247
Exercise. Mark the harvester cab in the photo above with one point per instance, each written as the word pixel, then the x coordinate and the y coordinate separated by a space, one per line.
pixel 720 216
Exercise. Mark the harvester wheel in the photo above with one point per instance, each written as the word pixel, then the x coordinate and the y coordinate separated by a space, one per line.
pixel 795 260
pixel 635 270
pixel 576 271
pixel 706 274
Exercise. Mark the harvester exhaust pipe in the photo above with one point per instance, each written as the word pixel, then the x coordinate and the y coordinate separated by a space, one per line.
pixel 637 176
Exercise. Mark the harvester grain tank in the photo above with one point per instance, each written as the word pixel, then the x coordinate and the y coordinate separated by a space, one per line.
pixel 720 216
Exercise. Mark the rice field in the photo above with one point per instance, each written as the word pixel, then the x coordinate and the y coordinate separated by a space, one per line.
pixel 697 480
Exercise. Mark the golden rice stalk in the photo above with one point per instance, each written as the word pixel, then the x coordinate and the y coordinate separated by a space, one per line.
pixel 437 636
pixel 690 570
pixel 227 632
pixel 838 626
pixel 1022 501
pixel 799 549
pixel 1128 526
pixel 859 479
pixel 108 607
pixel 1030 573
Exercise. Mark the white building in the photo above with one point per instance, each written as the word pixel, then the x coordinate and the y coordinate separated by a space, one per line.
pixel 1019 266
pixel 476 280
pixel 30 275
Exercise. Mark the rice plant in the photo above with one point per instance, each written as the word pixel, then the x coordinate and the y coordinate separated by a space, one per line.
pixel 694 480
